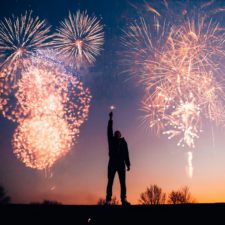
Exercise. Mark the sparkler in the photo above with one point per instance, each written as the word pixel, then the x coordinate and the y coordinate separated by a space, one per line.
pixel 112 107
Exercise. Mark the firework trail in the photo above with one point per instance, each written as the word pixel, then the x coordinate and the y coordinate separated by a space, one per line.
pixel 79 38
pixel 143 45
pixel 150 8
pixel 54 106
pixel 190 168
pixel 178 64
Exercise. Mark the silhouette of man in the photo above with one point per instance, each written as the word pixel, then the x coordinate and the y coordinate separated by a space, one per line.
pixel 118 160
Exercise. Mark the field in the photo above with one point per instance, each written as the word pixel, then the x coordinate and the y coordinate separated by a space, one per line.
pixel 112 215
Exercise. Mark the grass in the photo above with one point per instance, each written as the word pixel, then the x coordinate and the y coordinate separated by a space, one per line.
pixel 112 215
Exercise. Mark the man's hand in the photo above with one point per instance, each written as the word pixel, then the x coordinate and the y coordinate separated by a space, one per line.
pixel 128 168
pixel 110 115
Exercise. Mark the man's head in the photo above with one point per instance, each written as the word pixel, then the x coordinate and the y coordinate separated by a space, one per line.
pixel 117 134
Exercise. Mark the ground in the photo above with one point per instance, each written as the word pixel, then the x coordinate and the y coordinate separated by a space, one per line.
pixel 112 215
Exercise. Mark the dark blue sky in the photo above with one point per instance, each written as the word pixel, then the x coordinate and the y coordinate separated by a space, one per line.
pixel 80 177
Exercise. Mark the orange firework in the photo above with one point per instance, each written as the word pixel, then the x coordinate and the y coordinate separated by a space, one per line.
pixel 52 106
pixel 19 38
pixel 179 64
pixel 40 141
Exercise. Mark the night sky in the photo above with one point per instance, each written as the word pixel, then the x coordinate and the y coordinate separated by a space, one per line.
pixel 81 176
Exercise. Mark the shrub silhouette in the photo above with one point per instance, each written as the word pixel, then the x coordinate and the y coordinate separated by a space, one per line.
pixel 153 195
pixel 4 198
pixel 181 196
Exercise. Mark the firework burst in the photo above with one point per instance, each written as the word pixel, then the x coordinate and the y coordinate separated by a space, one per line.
pixel 79 38
pixel 179 64
pixel 143 45
pixel 53 105
pixel 19 37
pixel 40 141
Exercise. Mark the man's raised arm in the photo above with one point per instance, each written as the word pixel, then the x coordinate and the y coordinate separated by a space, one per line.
pixel 110 128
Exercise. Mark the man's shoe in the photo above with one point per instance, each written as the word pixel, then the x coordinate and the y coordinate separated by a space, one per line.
pixel 107 203
pixel 125 203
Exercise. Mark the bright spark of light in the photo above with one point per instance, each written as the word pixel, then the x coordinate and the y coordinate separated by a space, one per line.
pixel 112 107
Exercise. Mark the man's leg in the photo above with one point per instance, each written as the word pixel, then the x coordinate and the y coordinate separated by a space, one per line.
pixel 111 175
pixel 122 177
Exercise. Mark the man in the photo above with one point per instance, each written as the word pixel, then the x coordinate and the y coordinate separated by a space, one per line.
pixel 118 160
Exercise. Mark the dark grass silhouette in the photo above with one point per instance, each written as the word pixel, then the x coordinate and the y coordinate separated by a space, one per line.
pixel 46 202
pixel 181 196
pixel 114 201
pixel 4 198
pixel 112 215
